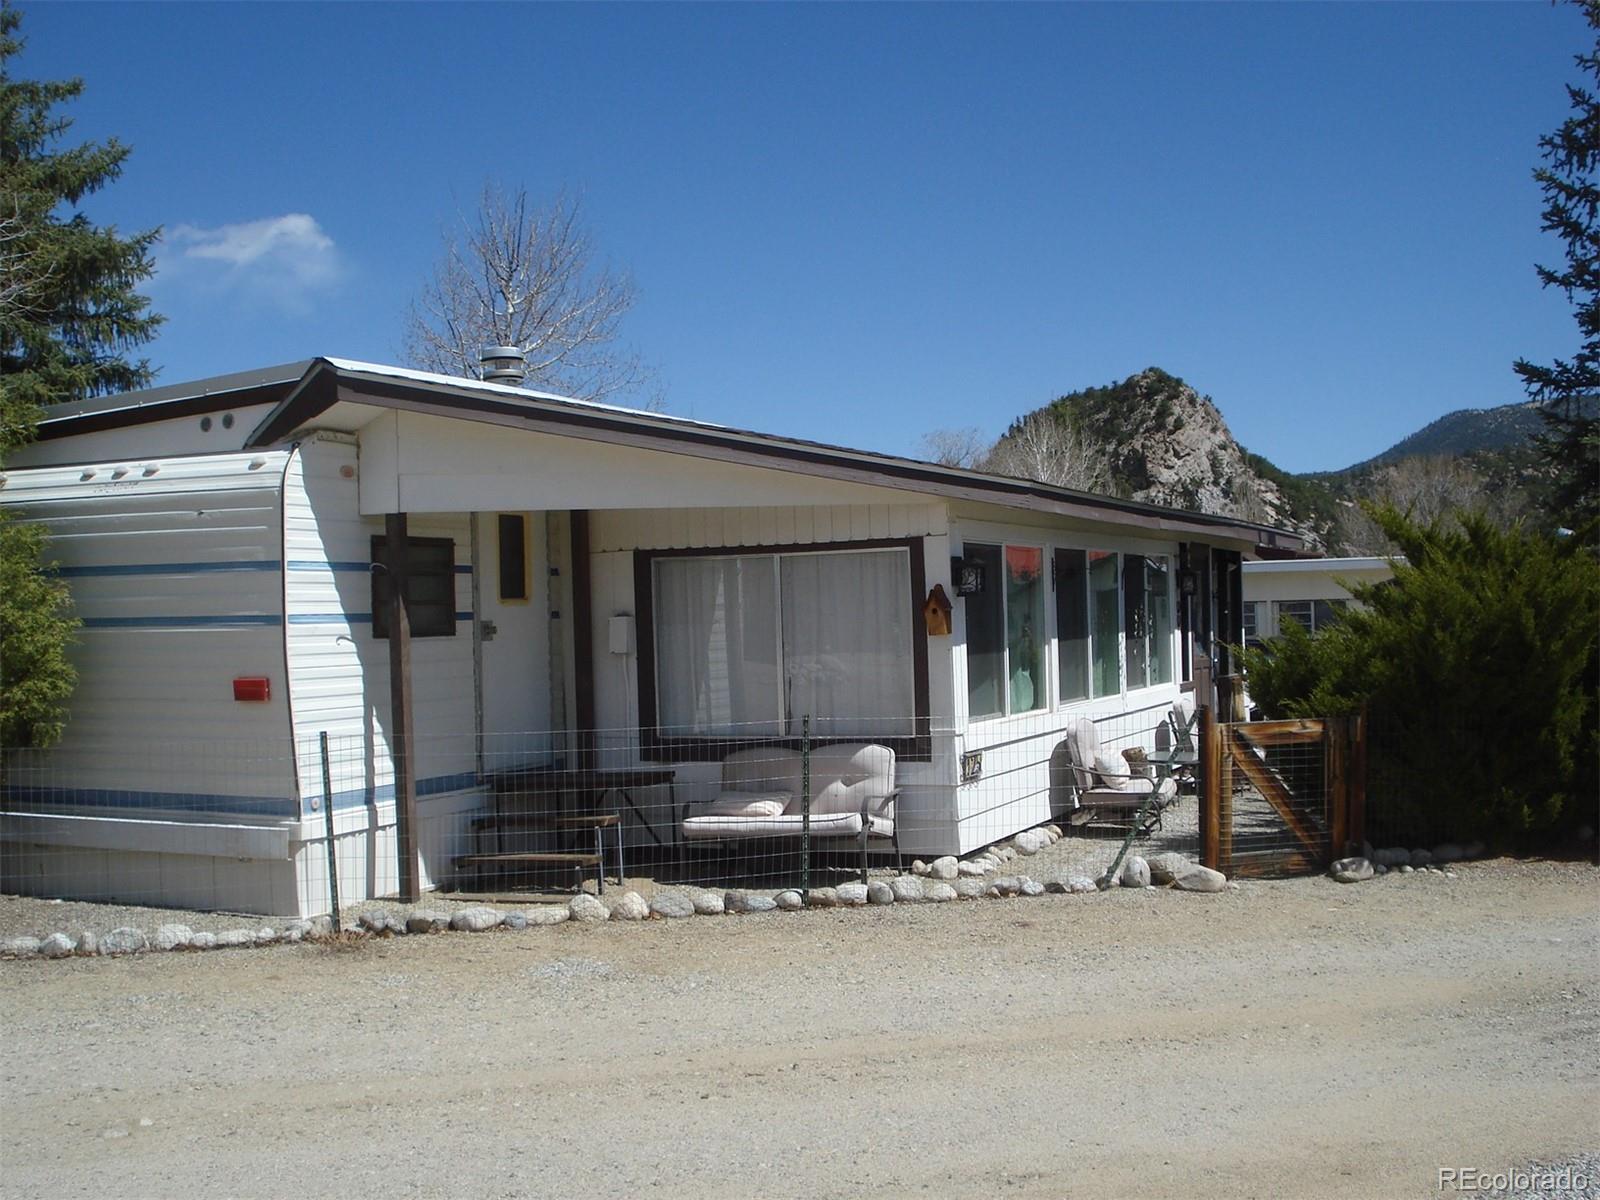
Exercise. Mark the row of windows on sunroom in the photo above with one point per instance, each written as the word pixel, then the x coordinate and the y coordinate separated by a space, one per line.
pixel 1112 630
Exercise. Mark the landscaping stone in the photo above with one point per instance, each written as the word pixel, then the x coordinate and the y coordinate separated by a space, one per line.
pixel 584 907
pixel 1007 885
pixel 879 892
pixel 1080 885
pixel 234 938
pixel 971 870
pixel 1380 869
pixel 1005 853
pixel 943 868
pixel 1419 858
pixel 321 926
pixel 1201 879
pixel 549 914
pixel 852 893
pixel 1027 842
pixel 1164 868
pixel 1105 883
pixel 427 921
pixel 474 920
pixel 970 889
pixel 377 922
pixel 204 940
pixel 1352 870
pixel 708 904
pixel 1055 832
pixel 630 906
pixel 57 945
pixel 515 920
pixel 939 893
pixel 88 942
pixel 822 897
pixel 673 905
pixel 1408 869
pixel 170 937
pixel 918 867
pixel 735 902
pixel 760 904
pixel 789 901
pixel 1030 887
pixel 1057 887
pixel 1392 856
pixel 1135 872
pixel 907 889
pixel 125 940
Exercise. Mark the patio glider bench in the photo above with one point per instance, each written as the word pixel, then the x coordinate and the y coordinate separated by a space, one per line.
pixel 1104 787
pixel 852 796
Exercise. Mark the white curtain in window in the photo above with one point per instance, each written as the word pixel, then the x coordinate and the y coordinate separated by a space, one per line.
pixel 716 645
pixel 847 643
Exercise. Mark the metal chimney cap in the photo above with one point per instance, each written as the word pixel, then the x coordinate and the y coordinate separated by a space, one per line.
pixel 503 364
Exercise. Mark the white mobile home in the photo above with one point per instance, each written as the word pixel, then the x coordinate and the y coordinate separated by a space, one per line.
pixel 1311 591
pixel 653 590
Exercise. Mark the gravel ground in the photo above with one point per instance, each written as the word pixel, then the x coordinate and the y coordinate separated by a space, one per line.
pixel 1296 1038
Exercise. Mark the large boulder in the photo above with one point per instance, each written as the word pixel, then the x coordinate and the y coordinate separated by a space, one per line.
pixel 673 905
pixel 708 904
pixel 907 889
pixel 1352 870
pixel 57 945
pixel 789 900
pixel 631 906
pixel 1164 868
pixel 1201 879
pixel 1135 872
pixel 171 937
pixel 125 940
pixel 584 907
pixel 475 920
pixel 852 893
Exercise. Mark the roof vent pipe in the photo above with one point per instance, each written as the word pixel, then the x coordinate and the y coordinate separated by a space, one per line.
pixel 503 364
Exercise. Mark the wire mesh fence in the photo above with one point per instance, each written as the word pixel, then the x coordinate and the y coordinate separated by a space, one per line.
pixel 300 827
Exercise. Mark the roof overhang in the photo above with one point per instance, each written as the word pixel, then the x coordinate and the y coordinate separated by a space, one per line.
pixel 316 393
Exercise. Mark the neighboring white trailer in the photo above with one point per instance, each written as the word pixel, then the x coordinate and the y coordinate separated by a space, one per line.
pixel 226 612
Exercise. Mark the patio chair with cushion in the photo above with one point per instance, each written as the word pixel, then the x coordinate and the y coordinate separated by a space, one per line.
pixel 1101 786
pixel 852 796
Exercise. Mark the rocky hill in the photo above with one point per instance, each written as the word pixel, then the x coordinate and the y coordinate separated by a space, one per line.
pixel 1153 437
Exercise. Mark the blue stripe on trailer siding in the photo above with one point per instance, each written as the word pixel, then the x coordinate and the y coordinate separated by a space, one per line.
pixel 170 568
pixel 56 797
pixel 226 621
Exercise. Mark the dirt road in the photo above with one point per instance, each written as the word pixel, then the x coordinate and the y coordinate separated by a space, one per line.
pixel 1289 1039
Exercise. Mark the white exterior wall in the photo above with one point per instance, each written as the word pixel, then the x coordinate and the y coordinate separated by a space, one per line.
pixel 164 788
pixel 1013 792
pixel 225 433
pixel 1268 584
pixel 339 681
pixel 926 816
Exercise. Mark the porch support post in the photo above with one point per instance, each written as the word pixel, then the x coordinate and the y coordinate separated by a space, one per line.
pixel 402 742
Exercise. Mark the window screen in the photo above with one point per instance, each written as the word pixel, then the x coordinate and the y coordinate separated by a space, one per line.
pixel 431 595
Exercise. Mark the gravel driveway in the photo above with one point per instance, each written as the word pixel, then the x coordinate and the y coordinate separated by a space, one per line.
pixel 1297 1038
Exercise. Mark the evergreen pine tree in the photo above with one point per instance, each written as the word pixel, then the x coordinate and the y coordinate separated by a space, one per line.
pixel 69 315
pixel 1567 390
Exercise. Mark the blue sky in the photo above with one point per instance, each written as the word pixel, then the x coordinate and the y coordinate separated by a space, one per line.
pixel 861 223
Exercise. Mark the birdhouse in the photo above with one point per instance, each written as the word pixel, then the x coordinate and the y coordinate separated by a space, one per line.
pixel 936 612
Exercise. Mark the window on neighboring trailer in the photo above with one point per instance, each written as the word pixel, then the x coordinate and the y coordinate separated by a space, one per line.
pixel 431 590
pixel 1314 615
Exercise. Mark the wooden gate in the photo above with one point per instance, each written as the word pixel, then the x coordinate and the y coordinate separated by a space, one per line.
pixel 1280 797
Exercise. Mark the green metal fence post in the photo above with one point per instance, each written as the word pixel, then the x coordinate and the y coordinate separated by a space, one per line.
pixel 805 804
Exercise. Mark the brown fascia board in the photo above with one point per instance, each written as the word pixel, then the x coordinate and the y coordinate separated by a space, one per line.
pixel 324 385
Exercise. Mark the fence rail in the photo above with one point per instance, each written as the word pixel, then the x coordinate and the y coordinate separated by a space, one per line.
pixel 1280 797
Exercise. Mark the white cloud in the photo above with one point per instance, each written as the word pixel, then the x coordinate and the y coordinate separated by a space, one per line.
pixel 286 261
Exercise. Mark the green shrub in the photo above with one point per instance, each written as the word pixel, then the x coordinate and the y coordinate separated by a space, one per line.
pixel 1477 667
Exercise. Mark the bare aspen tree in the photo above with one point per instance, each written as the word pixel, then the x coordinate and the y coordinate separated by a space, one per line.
pixel 1048 450
pixel 514 274
pixel 964 448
